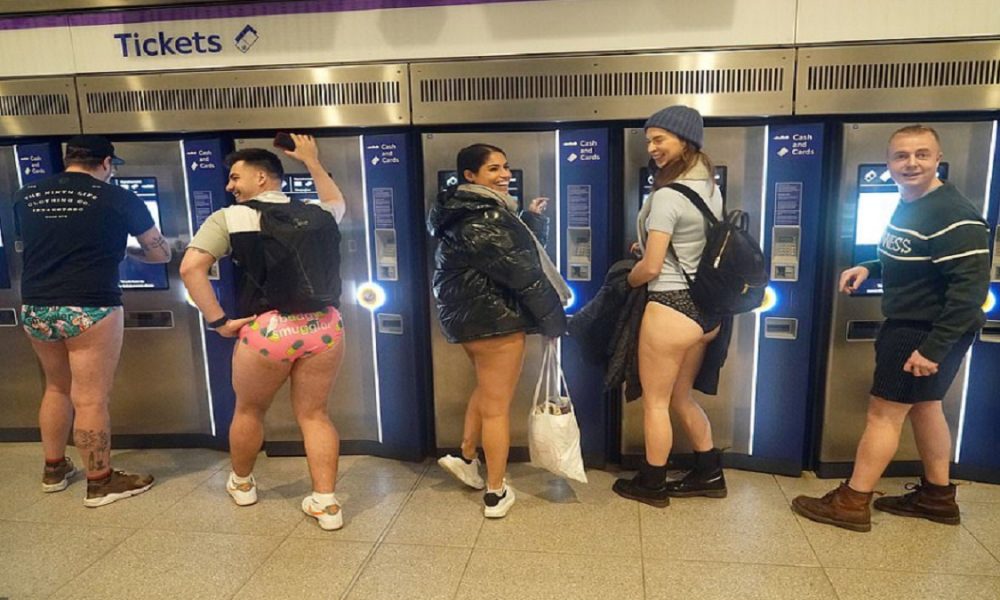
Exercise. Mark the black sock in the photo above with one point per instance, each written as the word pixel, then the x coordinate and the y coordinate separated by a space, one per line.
pixel 652 477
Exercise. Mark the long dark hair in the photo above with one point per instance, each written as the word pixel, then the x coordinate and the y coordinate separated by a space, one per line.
pixel 672 171
pixel 472 158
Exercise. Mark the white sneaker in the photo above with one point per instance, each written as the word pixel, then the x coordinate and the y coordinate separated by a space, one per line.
pixel 497 506
pixel 243 494
pixel 466 472
pixel 329 517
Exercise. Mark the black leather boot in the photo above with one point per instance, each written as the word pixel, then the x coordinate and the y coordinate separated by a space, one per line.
pixel 706 479
pixel 648 486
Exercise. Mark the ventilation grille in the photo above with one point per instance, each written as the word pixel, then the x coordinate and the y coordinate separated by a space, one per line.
pixel 602 85
pixel 34 105
pixel 899 78
pixel 719 83
pixel 245 98
pixel 905 75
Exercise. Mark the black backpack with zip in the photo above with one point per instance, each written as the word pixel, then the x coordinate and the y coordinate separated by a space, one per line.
pixel 732 273
pixel 300 258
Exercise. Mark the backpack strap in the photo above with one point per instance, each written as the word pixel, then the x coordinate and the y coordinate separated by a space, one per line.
pixel 695 199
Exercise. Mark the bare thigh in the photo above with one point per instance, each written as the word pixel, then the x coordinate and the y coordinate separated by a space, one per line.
pixel 93 357
pixel 665 336
pixel 256 379
pixel 54 358
pixel 312 379
pixel 498 362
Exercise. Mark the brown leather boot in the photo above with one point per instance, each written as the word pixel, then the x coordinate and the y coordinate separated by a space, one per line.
pixel 842 507
pixel 925 501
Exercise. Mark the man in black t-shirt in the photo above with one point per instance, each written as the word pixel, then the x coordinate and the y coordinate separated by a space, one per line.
pixel 74 228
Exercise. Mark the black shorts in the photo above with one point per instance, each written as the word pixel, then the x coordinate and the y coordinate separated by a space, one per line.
pixel 895 343
pixel 680 300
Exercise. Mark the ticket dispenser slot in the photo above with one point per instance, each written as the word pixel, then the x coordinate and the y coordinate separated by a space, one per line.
pixel 385 254
pixel 579 258
pixel 390 323
pixel 152 319
pixel 8 317
pixel 990 332
pixel 780 328
pixel 863 331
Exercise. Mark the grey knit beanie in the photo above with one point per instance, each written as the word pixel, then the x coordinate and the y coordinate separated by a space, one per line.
pixel 682 121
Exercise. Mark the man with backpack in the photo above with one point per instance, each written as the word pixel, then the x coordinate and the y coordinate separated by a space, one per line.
pixel 287 257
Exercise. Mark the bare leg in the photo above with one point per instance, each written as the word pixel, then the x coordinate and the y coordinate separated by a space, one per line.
pixel 473 428
pixel 665 335
pixel 312 379
pixel 255 381
pixel 933 441
pixel 93 359
pixel 55 415
pixel 878 443
pixel 692 417
pixel 498 364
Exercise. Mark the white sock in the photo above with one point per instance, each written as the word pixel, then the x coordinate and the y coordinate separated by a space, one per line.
pixel 324 500
pixel 500 492
pixel 240 480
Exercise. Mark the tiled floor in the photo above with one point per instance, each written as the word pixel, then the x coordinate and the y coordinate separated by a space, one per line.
pixel 412 532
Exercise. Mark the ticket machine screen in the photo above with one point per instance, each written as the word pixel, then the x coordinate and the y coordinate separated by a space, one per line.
pixel 300 186
pixel 646 182
pixel 877 200
pixel 447 179
pixel 134 274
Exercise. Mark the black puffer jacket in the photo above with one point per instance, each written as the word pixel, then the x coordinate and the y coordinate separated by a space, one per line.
pixel 488 280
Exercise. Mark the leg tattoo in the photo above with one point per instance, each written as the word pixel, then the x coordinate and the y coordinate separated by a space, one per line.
pixel 94 445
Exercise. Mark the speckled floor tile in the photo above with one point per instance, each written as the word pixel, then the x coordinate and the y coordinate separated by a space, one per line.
pixel 404 572
pixel 503 574
pixel 306 569
pixel 854 584
pixel 36 559
pixel 670 579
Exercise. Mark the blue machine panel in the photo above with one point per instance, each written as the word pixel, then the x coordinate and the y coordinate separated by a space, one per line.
pixel 206 184
pixel 396 228
pixel 794 195
pixel 34 163
pixel 584 172
pixel 979 449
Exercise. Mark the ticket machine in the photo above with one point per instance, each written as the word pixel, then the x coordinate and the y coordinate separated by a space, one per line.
pixel 571 168
pixel 774 174
pixel 865 201
pixel 376 403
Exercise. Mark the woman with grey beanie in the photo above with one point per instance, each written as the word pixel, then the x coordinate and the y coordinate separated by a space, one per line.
pixel 674 333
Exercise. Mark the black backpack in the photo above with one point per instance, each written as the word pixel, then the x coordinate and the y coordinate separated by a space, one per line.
pixel 732 273
pixel 300 256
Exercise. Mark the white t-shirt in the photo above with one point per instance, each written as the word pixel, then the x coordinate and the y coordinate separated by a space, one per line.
pixel 671 212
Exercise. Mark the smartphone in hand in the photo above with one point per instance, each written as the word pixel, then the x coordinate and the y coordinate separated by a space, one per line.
pixel 284 141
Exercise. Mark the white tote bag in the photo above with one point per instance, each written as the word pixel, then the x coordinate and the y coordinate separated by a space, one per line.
pixel 553 434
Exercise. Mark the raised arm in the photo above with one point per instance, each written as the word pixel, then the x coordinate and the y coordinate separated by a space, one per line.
pixel 307 152
pixel 153 247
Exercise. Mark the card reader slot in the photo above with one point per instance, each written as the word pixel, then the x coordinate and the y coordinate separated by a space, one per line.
pixel 990 332
pixel 149 319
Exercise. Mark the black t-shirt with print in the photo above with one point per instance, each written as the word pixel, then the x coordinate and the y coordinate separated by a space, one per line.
pixel 74 229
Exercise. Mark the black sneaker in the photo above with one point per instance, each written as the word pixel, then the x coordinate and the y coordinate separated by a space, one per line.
pixel 634 490
pixel 496 506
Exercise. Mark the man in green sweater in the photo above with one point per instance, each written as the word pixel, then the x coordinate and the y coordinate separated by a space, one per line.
pixel 934 264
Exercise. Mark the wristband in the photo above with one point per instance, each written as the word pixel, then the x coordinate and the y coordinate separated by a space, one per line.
pixel 218 322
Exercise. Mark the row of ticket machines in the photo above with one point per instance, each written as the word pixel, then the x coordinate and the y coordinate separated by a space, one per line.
pixel 794 389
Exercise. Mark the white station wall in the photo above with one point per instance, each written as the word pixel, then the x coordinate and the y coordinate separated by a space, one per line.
pixel 499 29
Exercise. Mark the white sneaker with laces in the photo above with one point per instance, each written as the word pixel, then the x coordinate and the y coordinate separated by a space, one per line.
pixel 466 472
pixel 329 517
pixel 496 506
pixel 243 494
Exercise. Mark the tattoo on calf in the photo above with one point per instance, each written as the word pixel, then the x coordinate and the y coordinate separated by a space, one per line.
pixel 95 446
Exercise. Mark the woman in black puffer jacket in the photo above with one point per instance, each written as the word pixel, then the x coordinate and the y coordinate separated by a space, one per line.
pixel 493 284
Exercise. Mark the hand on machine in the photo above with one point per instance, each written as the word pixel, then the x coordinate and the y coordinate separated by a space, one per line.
pixel 851 279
